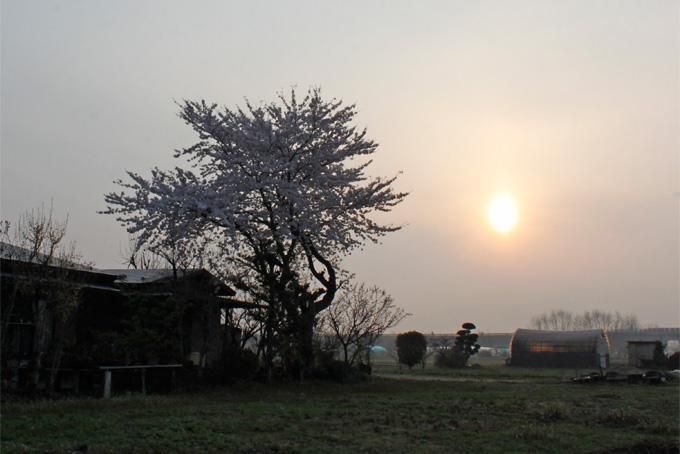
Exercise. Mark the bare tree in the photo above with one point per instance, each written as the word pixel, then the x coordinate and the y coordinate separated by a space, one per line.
pixel 37 245
pixel 138 257
pixel 606 320
pixel 558 320
pixel 359 317
pixel 168 252
pixel 246 323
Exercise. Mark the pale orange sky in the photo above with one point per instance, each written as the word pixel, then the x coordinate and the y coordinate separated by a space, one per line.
pixel 573 107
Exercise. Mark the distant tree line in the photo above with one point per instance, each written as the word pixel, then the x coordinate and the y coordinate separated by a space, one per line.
pixel 561 320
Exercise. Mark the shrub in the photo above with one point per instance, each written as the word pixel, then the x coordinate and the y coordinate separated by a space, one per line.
pixel 411 348
pixel 450 358
pixel 236 364
pixel 328 368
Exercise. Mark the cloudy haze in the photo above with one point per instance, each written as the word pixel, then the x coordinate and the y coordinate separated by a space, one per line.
pixel 573 107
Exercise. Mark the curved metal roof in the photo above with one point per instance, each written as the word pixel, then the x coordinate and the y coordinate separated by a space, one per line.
pixel 585 339
pixel 536 348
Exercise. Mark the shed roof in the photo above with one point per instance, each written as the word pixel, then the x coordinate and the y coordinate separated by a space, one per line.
pixel 84 277
pixel 131 276
pixel 20 254
pixel 162 276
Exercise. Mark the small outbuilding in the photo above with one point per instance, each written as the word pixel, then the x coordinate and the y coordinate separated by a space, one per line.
pixel 642 353
pixel 560 349
pixel 64 324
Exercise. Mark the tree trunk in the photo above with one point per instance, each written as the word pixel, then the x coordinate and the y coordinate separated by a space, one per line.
pixel 207 334
pixel 39 340
pixel 62 326
pixel 7 313
pixel 307 342
pixel 56 364
pixel 268 352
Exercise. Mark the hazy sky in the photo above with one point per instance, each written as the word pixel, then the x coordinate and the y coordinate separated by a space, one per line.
pixel 573 107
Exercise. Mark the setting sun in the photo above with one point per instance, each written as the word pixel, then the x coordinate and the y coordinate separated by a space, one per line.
pixel 502 213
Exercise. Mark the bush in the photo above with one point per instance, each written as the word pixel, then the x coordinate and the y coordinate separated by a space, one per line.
pixel 236 364
pixel 328 368
pixel 341 372
pixel 450 358
pixel 411 348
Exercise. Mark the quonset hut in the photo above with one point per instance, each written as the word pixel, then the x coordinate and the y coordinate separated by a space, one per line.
pixel 566 349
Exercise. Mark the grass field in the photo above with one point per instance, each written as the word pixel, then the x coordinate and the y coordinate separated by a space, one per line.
pixel 490 409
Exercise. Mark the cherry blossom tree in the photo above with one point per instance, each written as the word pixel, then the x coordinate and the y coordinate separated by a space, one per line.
pixel 281 190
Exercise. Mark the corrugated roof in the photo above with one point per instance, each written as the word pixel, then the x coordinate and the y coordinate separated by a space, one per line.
pixel 20 254
pixel 132 276
pixel 163 276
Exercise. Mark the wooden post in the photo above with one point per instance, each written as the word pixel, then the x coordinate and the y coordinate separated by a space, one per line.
pixel 107 384
pixel 143 381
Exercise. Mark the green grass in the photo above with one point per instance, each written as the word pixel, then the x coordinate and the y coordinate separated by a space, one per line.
pixel 538 414
pixel 482 369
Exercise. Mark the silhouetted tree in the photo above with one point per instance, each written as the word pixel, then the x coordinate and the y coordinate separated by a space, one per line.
pixel 411 348
pixel 466 340
pixel 464 346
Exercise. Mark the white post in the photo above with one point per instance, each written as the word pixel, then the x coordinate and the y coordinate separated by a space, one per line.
pixel 107 384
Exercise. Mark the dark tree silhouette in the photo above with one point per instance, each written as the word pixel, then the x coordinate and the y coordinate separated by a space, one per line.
pixel 411 348
pixel 465 345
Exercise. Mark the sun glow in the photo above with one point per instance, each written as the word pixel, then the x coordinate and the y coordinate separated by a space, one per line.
pixel 502 213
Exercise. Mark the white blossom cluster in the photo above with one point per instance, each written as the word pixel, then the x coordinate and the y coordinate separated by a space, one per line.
pixel 290 173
